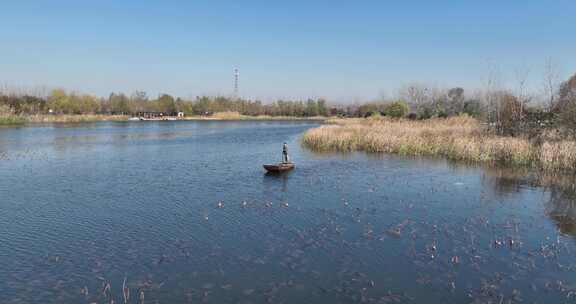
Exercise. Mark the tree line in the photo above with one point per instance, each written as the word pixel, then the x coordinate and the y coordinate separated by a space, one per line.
pixel 508 111
pixel 62 102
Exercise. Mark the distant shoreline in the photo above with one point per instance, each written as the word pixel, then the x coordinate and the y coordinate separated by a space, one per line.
pixel 23 120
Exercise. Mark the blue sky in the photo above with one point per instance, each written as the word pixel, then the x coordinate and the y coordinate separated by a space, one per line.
pixel 341 50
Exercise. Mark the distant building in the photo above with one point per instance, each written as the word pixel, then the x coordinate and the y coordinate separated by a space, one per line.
pixel 150 114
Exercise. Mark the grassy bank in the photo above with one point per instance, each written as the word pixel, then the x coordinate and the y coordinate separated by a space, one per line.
pixel 74 118
pixel 9 119
pixel 458 138
pixel 15 120
pixel 238 116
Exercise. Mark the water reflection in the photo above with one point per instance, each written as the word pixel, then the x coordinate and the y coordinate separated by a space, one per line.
pixel 560 189
pixel 503 183
pixel 561 208
pixel 276 181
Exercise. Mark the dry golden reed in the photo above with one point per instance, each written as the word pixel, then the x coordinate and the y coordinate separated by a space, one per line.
pixel 458 138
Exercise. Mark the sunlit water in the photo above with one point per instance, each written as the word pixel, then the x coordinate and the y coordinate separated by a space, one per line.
pixel 184 213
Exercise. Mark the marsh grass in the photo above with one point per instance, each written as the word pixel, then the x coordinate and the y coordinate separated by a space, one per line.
pixel 67 118
pixel 9 120
pixel 460 138
pixel 7 117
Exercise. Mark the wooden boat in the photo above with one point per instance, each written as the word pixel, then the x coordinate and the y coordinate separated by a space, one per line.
pixel 280 167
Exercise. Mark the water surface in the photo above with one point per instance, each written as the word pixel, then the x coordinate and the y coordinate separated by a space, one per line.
pixel 183 212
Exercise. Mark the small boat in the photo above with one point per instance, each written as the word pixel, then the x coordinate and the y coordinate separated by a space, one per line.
pixel 280 167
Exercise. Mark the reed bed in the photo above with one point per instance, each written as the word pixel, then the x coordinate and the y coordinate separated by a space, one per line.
pixel 9 120
pixel 70 118
pixel 14 119
pixel 458 138
pixel 7 117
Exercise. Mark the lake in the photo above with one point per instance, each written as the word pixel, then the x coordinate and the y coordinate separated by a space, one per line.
pixel 182 212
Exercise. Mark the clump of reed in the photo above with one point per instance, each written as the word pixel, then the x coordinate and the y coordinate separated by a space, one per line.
pixel 9 120
pixel 74 118
pixel 459 138
pixel 7 117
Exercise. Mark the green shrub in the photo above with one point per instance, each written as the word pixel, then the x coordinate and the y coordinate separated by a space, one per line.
pixel 425 113
pixel 397 109
pixel 12 120
pixel 472 108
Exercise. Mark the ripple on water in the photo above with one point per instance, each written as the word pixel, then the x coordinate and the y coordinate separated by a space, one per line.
pixel 88 208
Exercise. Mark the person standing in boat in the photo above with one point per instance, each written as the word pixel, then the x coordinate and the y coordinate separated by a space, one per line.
pixel 285 153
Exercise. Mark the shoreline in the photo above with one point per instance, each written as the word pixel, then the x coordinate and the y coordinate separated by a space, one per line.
pixel 255 118
pixel 24 120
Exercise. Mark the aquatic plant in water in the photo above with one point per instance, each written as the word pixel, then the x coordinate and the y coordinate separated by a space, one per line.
pixel 459 138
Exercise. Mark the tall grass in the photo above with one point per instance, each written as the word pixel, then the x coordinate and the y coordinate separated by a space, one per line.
pixel 7 117
pixel 458 138
pixel 74 118
pixel 8 120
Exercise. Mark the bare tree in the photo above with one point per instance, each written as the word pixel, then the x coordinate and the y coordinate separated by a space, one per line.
pixel 416 94
pixel 491 97
pixel 521 74
pixel 551 82
pixel 439 102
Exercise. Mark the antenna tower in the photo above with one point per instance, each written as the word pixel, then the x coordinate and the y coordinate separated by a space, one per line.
pixel 236 76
